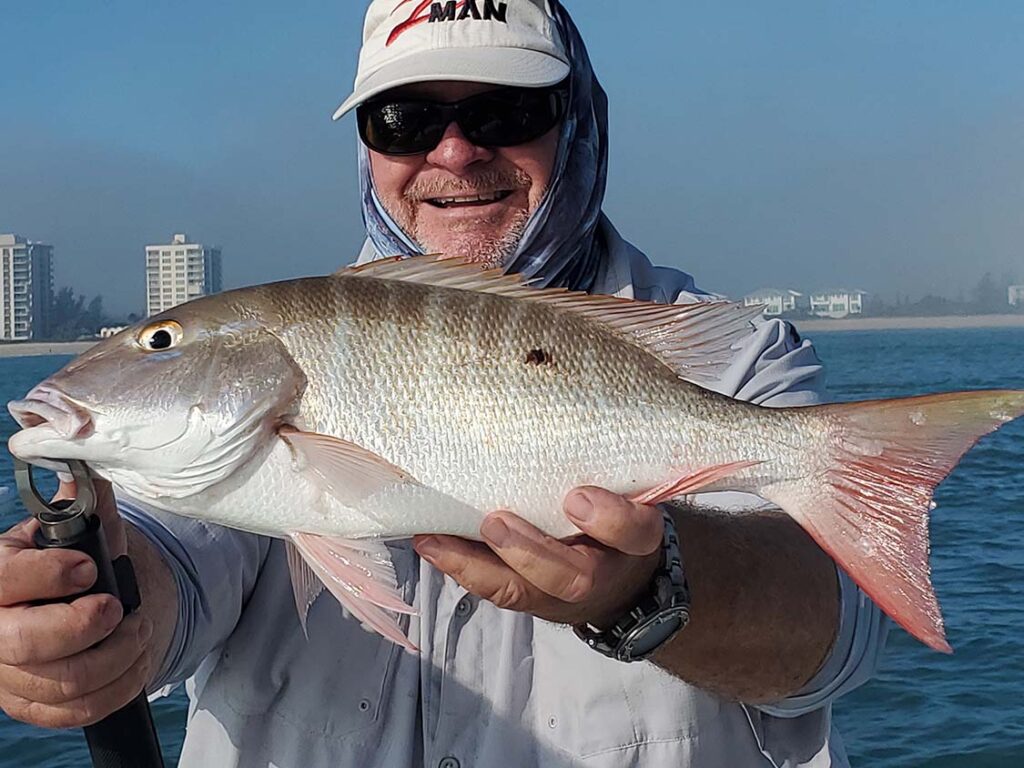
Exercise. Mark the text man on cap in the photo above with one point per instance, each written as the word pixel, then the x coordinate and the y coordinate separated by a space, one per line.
pixel 483 133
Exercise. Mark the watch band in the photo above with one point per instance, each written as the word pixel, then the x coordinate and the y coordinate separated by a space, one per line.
pixel 657 617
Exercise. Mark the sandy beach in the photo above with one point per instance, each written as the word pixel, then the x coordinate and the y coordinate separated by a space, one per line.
pixel 908 323
pixel 37 348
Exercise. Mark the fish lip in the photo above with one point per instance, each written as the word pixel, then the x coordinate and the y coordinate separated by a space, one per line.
pixel 47 405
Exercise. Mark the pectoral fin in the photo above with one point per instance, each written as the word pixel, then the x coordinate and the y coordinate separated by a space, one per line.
pixel 347 471
pixel 370 484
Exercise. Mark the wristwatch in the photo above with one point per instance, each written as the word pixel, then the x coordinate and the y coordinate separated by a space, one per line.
pixel 659 615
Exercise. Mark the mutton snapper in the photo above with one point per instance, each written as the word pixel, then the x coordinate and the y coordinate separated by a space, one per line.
pixel 415 396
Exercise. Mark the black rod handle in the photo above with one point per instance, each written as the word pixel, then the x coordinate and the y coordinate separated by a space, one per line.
pixel 126 738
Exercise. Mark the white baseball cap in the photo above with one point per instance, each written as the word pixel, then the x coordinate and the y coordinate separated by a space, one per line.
pixel 504 42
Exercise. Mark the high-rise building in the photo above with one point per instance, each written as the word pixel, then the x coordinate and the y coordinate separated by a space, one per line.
pixel 178 272
pixel 26 288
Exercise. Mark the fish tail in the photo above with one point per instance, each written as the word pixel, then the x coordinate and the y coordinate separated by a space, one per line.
pixel 867 503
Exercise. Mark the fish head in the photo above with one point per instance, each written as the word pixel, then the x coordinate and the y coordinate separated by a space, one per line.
pixel 168 407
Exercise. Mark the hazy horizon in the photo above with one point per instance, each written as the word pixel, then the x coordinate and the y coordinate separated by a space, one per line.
pixel 877 146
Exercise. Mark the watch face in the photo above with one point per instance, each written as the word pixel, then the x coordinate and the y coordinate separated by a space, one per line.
pixel 649 636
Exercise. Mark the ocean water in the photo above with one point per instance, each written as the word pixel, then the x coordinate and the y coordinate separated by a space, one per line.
pixel 923 709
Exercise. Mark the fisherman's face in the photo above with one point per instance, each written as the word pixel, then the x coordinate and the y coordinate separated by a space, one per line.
pixel 461 199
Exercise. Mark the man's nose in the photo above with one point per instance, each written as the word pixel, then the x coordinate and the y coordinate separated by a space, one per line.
pixel 456 153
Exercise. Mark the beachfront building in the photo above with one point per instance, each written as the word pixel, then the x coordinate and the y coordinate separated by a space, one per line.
pixel 180 271
pixel 1016 295
pixel 837 303
pixel 26 288
pixel 775 301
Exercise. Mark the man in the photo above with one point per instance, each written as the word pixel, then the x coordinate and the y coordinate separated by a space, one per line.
pixel 483 132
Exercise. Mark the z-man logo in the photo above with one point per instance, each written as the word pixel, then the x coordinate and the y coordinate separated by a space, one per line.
pixel 450 10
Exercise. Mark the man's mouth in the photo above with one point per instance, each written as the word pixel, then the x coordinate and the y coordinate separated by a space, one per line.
pixel 462 201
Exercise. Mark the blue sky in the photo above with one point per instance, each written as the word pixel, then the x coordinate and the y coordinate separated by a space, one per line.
pixel 792 144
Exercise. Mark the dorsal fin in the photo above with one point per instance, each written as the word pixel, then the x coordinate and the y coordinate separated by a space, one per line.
pixel 694 340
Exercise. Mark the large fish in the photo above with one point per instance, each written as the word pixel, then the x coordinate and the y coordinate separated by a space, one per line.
pixel 415 396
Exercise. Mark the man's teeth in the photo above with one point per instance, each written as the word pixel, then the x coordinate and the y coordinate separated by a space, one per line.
pixel 488 197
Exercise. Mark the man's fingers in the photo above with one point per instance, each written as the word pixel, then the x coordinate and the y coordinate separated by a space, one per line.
pixel 616 522
pixel 106 508
pixel 19 535
pixel 86 710
pixel 67 489
pixel 559 570
pixel 42 574
pixel 66 679
pixel 480 571
pixel 27 634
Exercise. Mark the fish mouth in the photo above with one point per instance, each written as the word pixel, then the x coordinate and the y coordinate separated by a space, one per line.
pixel 47 407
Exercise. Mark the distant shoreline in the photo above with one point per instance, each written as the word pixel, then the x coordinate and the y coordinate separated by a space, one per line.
pixel 938 322
pixel 39 348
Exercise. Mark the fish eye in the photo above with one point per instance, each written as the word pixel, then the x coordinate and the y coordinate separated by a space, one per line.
pixel 160 336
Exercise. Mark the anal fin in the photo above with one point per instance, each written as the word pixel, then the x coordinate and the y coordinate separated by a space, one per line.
pixel 691 482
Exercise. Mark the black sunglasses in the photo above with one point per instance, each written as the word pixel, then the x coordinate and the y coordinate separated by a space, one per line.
pixel 503 117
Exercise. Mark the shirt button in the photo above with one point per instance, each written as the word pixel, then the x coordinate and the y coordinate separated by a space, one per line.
pixel 462 609
pixel 448 762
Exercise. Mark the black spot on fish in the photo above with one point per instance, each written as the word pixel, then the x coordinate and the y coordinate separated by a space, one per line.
pixel 538 357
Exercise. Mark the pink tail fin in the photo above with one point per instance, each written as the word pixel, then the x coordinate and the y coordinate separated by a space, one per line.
pixel 868 506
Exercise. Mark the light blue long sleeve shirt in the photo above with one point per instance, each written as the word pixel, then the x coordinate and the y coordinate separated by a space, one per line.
pixel 490 687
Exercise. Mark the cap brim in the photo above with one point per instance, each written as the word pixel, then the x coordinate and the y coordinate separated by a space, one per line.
pixel 499 66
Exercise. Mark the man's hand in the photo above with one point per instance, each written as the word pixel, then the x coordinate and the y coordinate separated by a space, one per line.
pixel 66 664
pixel 765 598
pixel 592 578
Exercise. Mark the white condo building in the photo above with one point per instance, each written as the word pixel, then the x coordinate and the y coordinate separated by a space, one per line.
pixel 26 288
pixel 180 271
pixel 775 301
pixel 837 303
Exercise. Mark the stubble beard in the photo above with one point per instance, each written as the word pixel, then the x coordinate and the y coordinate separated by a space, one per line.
pixel 476 240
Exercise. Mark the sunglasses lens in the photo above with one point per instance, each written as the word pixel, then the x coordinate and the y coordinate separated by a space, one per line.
pixel 500 118
pixel 511 116
pixel 400 127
